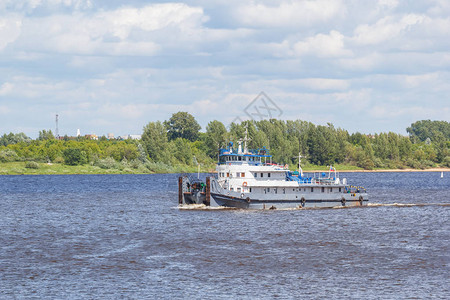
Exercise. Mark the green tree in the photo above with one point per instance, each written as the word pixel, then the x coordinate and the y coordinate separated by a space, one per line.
pixel 421 130
pixel 155 142
pixel 8 155
pixel 182 151
pixel 11 138
pixel 74 156
pixel 216 137
pixel 46 135
pixel 182 125
pixel 440 145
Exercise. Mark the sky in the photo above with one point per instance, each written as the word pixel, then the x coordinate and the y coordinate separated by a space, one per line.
pixel 109 66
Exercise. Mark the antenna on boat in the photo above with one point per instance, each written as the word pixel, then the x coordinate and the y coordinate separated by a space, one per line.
pixel 300 164
pixel 246 139
pixel 198 167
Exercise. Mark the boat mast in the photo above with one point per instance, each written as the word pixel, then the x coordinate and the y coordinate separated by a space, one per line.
pixel 246 139
pixel 198 167
pixel 299 164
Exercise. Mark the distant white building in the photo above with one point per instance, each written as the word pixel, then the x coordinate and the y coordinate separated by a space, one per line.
pixel 91 136
pixel 110 136
pixel 130 136
pixel 78 133
pixel 135 136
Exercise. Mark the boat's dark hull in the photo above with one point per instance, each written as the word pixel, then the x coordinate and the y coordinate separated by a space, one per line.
pixel 298 202
pixel 195 197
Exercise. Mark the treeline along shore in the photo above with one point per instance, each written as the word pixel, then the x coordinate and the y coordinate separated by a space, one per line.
pixel 178 145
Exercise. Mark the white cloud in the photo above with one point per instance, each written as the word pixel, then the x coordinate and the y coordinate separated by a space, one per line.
pixel 323 45
pixel 31 5
pixel 123 31
pixel 315 84
pixel 288 13
pixel 387 4
pixel 364 63
pixel 385 29
pixel 10 28
pixel 115 67
pixel 6 88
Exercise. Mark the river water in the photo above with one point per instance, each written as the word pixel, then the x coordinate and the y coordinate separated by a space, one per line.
pixel 122 236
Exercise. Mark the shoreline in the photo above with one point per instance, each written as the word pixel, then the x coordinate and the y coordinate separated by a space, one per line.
pixel 385 170
pixel 213 171
pixel 19 168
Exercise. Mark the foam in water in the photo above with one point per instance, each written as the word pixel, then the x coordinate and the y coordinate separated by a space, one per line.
pixel 204 207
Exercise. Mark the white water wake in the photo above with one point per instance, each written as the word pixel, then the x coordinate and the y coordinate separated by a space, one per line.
pixel 204 207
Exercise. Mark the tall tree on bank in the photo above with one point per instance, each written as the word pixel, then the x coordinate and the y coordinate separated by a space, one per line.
pixel 155 142
pixel 46 135
pixel 216 137
pixel 182 125
pixel 421 130
pixel 14 138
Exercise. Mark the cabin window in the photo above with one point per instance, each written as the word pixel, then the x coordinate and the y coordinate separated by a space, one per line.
pixel 239 158
pixel 312 190
pixel 250 190
pixel 242 174
pixel 256 175
pixel 268 174
pixel 238 174
pixel 293 190
pixel 265 191
pixel 262 175
pixel 323 189
pixel 275 190
pixel 238 189
pixel 340 190
pixel 331 190
pixel 268 190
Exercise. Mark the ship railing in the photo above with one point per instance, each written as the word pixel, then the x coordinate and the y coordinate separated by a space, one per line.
pixel 351 189
pixel 314 179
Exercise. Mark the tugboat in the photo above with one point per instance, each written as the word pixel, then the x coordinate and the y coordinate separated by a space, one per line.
pixel 248 179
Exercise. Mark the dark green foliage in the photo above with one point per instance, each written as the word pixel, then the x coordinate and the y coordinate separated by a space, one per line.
pixel 74 156
pixel 8 155
pixel 421 130
pixel 107 163
pixel 181 149
pixel 155 142
pixel 46 135
pixel 321 145
pixel 32 165
pixel 216 137
pixel 182 125
pixel 11 138
pixel 446 161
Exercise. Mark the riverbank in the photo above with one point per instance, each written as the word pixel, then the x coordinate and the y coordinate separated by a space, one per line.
pixel 389 170
pixel 19 168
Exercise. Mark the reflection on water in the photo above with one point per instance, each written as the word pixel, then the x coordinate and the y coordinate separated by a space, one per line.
pixel 123 236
